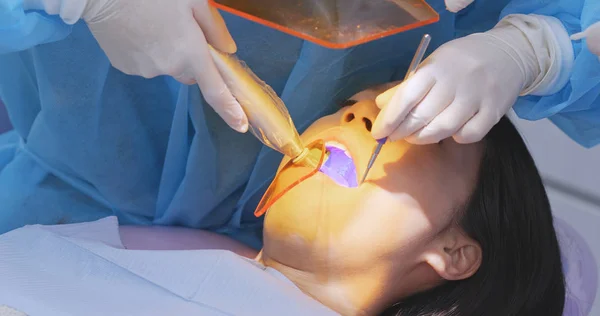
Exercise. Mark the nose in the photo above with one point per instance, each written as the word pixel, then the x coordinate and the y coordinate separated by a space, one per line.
pixel 362 114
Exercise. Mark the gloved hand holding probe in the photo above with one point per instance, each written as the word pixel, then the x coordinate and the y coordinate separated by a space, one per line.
pixel 465 86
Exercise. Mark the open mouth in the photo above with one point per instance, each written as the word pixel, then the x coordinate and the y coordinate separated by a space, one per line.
pixel 339 165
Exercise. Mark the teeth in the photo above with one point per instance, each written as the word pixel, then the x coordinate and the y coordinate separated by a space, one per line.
pixel 338 146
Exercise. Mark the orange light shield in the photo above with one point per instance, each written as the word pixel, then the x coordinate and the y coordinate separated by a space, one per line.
pixel 274 192
pixel 336 24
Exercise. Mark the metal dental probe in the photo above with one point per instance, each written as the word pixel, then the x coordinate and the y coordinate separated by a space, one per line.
pixel 411 70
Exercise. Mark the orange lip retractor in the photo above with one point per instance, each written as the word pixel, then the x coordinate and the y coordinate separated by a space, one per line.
pixel 271 195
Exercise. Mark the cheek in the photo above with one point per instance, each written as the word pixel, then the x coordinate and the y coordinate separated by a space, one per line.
pixel 389 225
pixel 434 187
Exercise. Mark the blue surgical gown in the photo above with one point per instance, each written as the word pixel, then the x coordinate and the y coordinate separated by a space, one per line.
pixel 576 108
pixel 90 141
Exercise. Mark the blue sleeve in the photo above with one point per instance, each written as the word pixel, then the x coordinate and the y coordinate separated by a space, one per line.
pixel 576 108
pixel 480 16
pixel 20 30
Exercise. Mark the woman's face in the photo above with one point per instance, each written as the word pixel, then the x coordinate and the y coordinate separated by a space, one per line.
pixel 409 198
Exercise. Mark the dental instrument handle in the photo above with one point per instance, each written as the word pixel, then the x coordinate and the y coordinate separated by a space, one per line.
pixel 268 117
pixel 418 57
pixel 412 68
pixel 374 155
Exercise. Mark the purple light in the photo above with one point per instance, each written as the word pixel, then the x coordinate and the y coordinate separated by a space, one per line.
pixel 340 168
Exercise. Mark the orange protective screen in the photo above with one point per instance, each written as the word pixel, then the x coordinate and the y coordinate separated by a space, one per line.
pixel 334 24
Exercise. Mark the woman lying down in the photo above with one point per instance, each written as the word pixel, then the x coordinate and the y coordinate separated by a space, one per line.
pixel 443 229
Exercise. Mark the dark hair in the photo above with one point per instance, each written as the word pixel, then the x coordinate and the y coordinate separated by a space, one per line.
pixel 509 214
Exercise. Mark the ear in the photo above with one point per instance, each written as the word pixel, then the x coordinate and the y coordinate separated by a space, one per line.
pixel 454 255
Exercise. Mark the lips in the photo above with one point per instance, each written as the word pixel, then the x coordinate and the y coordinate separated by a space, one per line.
pixel 339 165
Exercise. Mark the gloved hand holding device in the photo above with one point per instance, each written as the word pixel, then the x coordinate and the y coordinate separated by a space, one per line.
pixel 150 38
pixel 464 87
